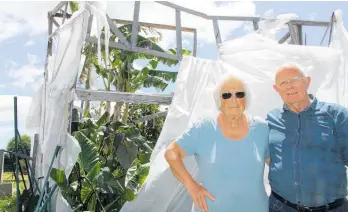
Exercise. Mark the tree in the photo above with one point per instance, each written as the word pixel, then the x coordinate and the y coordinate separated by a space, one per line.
pixel 24 142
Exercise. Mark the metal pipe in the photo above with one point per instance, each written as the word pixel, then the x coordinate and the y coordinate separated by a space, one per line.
pixel 16 150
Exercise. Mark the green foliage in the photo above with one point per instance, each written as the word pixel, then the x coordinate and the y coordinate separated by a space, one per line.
pixel 74 6
pixel 113 163
pixel 150 129
pixel 110 169
pixel 8 204
pixel 23 141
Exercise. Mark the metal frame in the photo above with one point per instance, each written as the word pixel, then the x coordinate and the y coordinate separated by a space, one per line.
pixel 295 34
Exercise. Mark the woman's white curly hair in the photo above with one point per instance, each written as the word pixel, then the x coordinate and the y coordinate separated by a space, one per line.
pixel 221 82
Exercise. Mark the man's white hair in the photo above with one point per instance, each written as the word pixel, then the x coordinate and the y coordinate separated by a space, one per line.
pixel 221 82
pixel 293 65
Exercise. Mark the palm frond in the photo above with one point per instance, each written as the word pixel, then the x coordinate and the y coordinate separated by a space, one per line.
pixel 166 75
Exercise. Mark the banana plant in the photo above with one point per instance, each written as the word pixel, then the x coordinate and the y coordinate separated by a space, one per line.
pixel 110 169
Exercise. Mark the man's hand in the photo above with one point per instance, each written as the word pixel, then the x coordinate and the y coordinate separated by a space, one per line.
pixel 198 194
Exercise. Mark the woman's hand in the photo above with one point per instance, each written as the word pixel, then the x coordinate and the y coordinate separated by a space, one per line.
pixel 198 194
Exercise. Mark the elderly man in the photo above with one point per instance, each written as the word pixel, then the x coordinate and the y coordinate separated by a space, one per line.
pixel 308 144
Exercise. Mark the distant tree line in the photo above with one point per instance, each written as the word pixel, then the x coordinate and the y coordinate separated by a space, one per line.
pixel 9 160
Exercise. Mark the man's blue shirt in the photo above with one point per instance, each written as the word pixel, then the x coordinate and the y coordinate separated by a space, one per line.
pixel 309 152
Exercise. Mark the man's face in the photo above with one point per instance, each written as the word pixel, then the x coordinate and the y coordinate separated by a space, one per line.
pixel 291 85
pixel 232 96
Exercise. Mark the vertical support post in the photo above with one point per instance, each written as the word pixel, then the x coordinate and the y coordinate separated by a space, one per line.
pixel 299 33
pixel 49 53
pixel 16 147
pixel 256 25
pixel 217 31
pixel 36 144
pixel 2 154
pixel 195 43
pixel 89 25
pixel 332 21
pixel 135 24
pixel 178 34
pixel 294 33
pixel 65 11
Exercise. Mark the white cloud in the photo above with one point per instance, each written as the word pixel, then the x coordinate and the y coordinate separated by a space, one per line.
pixel 29 43
pixel 25 75
pixel 2 85
pixel 166 15
pixel 7 117
pixel 28 18
pixel 312 16
pixel 17 19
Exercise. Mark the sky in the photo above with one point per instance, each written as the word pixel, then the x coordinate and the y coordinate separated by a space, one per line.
pixel 23 40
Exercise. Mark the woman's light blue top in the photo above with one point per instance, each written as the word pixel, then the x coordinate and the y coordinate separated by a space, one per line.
pixel 232 171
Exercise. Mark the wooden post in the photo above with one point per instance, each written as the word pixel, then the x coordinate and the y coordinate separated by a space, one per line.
pixel 178 34
pixel 217 31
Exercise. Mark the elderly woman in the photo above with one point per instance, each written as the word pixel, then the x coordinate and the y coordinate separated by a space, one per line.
pixel 230 149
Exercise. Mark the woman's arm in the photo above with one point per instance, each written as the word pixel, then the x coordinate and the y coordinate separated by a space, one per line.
pixel 174 155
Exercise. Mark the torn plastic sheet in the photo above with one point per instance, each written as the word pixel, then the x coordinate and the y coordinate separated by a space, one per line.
pixel 340 42
pixel 254 58
pixel 49 112
pixel 269 27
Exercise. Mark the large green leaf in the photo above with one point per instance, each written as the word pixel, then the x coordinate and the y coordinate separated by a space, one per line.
pixel 93 173
pixel 112 206
pixel 74 6
pixel 86 191
pixel 92 203
pixel 103 119
pixel 126 152
pixel 90 182
pixel 166 75
pixel 58 175
pixel 136 176
pixel 89 156
pixel 107 183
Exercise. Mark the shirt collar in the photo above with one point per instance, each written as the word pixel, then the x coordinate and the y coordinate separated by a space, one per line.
pixel 313 104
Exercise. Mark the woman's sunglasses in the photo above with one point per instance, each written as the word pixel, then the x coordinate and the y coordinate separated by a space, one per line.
pixel 239 95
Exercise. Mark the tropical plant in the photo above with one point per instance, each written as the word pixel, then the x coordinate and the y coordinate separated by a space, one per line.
pixel 122 74
pixel 110 169
pixel 150 129
pixel 113 163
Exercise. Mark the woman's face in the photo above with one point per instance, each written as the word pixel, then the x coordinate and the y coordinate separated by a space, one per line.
pixel 233 97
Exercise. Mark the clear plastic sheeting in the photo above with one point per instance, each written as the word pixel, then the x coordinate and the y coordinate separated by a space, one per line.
pixel 51 105
pixel 269 27
pixel 253 58
pixel 340 77
pixel 260 57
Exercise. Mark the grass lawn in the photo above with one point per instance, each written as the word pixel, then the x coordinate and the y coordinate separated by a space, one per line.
pixel 8 204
